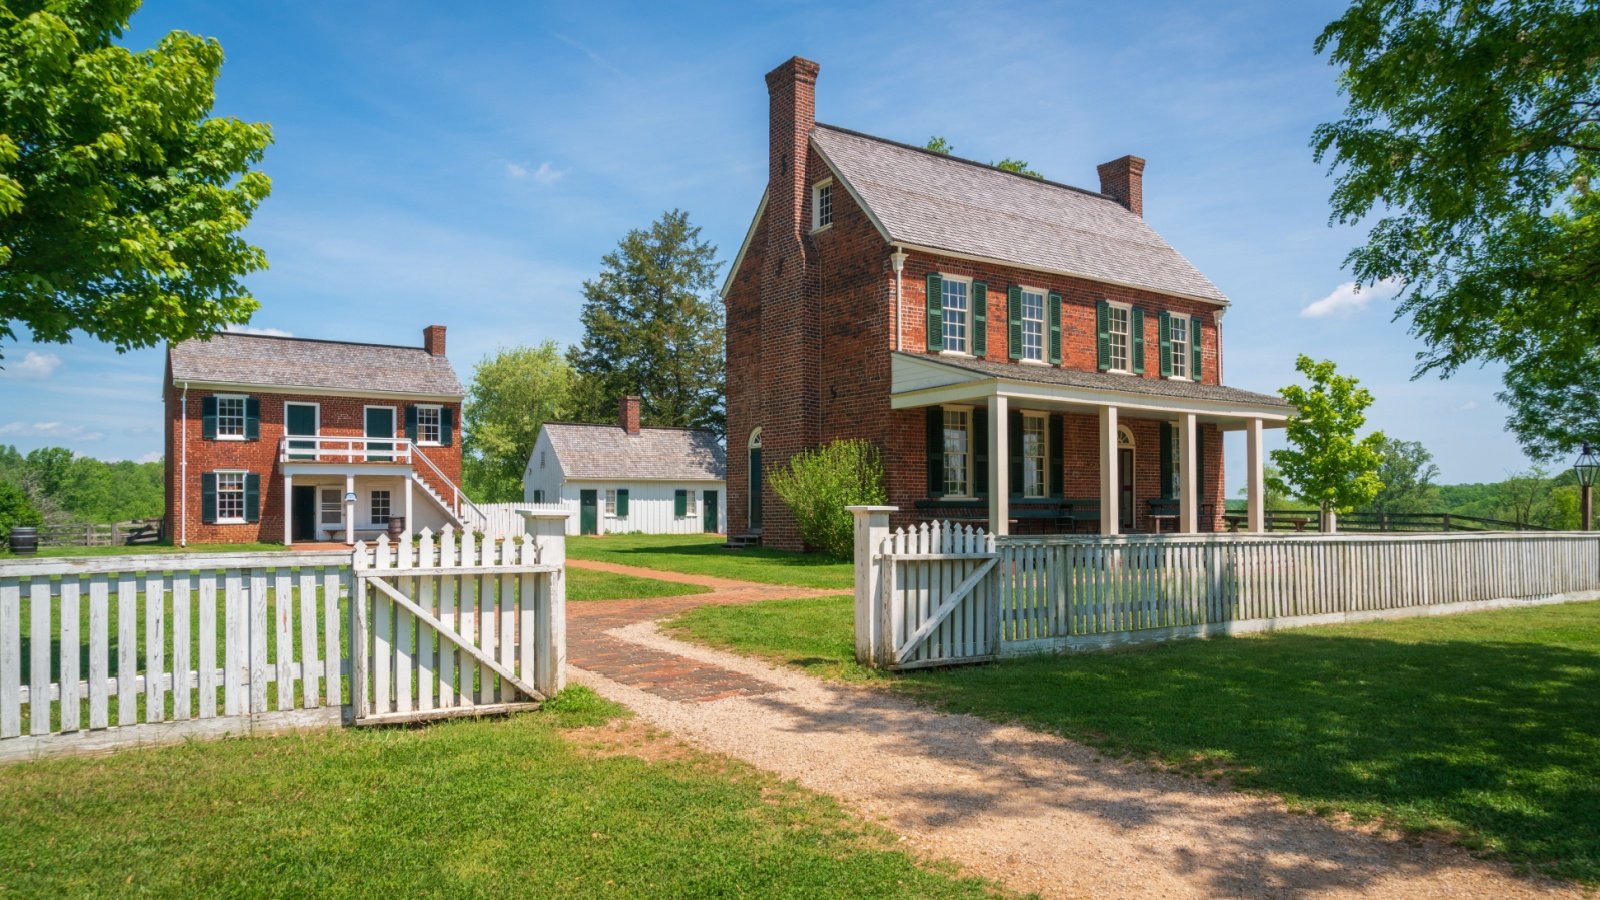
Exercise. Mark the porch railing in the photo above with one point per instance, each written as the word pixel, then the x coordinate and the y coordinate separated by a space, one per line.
pixel 317 448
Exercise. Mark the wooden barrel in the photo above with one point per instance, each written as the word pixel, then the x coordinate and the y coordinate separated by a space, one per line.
pixel 24 540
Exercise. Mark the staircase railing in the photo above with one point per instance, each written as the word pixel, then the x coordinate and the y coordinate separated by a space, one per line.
pixel 459 501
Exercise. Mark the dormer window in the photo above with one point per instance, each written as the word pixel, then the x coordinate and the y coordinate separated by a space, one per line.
pixel 822 204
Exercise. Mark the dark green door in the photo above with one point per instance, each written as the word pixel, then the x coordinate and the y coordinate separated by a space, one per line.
pixel 380 424
pixel 588 512
pixel 755 489
pixel 708 516
pixel 300 418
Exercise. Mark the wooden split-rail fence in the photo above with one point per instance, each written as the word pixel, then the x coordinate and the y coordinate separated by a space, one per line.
pixel 942 594
pixel 99 653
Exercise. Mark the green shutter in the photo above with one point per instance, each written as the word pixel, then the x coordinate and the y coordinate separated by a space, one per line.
pixel 680 503
pixel 208 418
pixel 980 319
pixel 935 338
pixel 935 416
pixel 411 423
pixel 252 497
pixel 978 442
pixel 1014 438
pixel 622 503
pixel 252 418
pixel 1166 344
pixel 208 497
pixel 1194 345
pixel 1136 327
pixel 1057 475
pixel 1166 460
pixel 1055 329
pixel 447 426
pixel 1014 319
pixel 1102 324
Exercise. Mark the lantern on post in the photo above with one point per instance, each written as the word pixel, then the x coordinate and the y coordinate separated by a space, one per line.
pixel 1587 466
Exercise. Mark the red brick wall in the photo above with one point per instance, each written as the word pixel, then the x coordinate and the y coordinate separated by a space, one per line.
pixel 340 417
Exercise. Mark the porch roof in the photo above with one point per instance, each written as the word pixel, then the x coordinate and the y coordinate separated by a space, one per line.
pixel 926 379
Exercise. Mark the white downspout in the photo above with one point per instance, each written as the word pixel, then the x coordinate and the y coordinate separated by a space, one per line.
pixel 183 470
pixel 898 260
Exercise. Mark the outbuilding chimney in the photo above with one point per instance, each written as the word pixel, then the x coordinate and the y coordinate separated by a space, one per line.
pixel 433 340
pixel 1123 181
pixel 628 414
pixel 792 104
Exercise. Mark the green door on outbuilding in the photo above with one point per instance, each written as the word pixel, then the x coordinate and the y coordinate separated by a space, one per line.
pixel 588 512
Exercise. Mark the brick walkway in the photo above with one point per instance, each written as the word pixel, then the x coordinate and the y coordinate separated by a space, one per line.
pixel 590 646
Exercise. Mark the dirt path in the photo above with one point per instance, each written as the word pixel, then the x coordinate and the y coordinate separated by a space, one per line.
pixel 1033 811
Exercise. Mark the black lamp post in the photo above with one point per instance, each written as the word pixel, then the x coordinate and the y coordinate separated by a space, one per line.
pixel 1587 466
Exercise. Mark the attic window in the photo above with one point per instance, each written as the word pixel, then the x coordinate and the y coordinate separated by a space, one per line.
pixel 822 204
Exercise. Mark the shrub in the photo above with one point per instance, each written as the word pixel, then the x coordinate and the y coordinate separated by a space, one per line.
pixel 818 484
pixel 15 509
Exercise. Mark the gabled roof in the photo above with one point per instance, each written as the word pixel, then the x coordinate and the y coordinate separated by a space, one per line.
pixel 253 360
pixel 943 203
pixel 654 454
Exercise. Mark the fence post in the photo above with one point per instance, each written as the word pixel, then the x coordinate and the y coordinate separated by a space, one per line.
pixel 549 531
pixel 871 528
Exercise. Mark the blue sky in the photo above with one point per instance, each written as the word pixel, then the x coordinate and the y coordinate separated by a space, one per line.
pixel 469 163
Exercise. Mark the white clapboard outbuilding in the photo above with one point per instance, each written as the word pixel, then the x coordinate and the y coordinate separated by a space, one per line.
pixel 623 478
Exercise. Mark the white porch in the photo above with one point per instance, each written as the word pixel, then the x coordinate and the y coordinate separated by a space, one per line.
pixel 354 486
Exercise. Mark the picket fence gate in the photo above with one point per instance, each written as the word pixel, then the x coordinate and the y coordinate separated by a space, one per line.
pixel 939 594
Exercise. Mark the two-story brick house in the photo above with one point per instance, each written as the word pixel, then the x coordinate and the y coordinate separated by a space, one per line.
pixel 274 439
pixel 1024 353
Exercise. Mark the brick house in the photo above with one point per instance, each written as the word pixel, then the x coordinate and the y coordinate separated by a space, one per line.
pixel 274 439
pixel 1025 354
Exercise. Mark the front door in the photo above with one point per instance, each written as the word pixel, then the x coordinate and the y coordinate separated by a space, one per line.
pixel 300 418
pixel 588 512
pixel 1125 498
pixel 305 512
pixel 755 489
pixel 380 424
pixel 708 516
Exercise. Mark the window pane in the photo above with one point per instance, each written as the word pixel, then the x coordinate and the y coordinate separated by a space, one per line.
pixel 1032 326
pixel 1119 338
pixel 955 315
pixel 230 495
pixel 332 506
pixel 1034 441
pixel 1179 331
pixel 380 507
pixel 957 441
pixel 230 416
pixel 428 424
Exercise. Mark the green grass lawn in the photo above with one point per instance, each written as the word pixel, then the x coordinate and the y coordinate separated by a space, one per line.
pixel 140 549
pixel 537 805
pixel 587 584
pixel 703 554
pixel 1484 728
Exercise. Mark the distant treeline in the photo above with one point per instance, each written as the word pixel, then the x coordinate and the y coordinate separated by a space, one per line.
pixel 53 485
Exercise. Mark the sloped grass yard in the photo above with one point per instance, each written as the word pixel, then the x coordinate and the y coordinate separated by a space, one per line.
pixel 703 554
pixel 539 805
pixel 1482 728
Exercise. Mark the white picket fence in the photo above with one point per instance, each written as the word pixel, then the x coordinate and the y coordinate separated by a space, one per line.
pixel 500 520
pixel 940 594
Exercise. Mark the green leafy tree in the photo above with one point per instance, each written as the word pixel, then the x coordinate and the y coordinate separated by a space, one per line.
pixel 653 327
pixel 943 147
pixel 1325 463
pixel 122 199
pixel 818 484
pixel 939 145
pixel 64 487
pixel 513 393
pixel 1407 472
pixel 1473 131
pixel 15 509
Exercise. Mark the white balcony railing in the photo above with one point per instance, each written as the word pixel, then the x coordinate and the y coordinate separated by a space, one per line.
pixel 316 448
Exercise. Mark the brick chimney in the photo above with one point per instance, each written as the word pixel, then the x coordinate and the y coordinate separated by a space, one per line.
pixel 792 105
pixel 1123 181
pixel 433 340
pixel 628 414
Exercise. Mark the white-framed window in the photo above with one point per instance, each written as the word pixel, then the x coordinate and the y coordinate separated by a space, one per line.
pixel 1033 324
pixel 957 309
pixel 957 452
pixel 541 459
pixel 1176 486
pixel 230 418
pixel 1118 318
pixel 822 204
pixel 1035 448
pixel 1178 333
pixel 430 425
pixel 538 495
pixel 331 503
pixel 381 507
pixel 611 501
pixel 230 496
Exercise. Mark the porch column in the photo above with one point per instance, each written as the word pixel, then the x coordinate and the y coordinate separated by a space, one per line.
pixel 1188 469
pixel 350 509
pixel 288 510
pixel 999 467
pixel 410 528
pixel 1108 470
pixel 1255 477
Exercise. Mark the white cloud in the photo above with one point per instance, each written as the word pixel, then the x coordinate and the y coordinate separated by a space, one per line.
pixel 1468 406
pixel 1350 298
pixel 544 174
pixel 152 456
pixel 253 329
pixel 60 430
pixel 35 366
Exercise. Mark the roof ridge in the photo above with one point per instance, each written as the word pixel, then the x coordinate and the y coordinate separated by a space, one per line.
pixel 305 340
pixel 710 431
pixel 950 157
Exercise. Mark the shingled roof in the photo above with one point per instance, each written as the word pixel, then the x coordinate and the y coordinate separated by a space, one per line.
pixel 653 454
pixel 1103 381
pixel 944 203
pixel 252 360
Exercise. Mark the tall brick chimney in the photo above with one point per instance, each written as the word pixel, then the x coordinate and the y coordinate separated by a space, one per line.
pixel 433 340
pixel 628 414
pixel 1123 181
pixel 792 112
